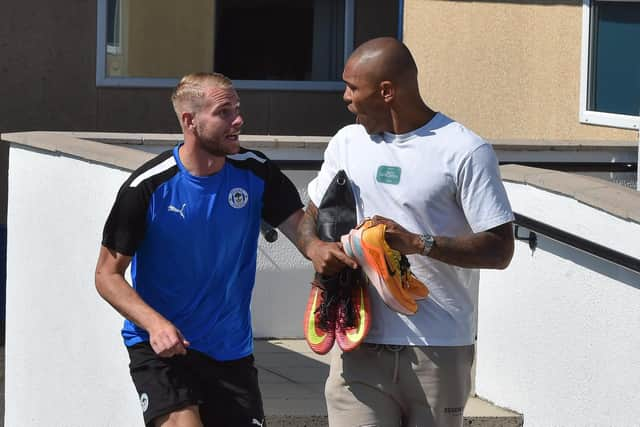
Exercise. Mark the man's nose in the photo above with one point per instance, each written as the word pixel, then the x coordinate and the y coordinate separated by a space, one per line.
pixel 346 96
pixel 238 121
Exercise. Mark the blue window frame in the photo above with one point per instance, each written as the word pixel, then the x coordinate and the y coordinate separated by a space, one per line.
pixel 261 44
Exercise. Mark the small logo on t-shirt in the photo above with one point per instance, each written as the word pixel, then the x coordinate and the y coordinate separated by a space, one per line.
pixel 454 411
pixel 144 402
pixel 388 175
pixel 176 210
pixel 238 197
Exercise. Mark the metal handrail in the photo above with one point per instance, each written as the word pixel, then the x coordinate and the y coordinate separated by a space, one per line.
pixel 574 241
pixel 559 166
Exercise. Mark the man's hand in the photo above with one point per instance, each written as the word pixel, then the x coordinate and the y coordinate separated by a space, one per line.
pixel 398 237
pixel 491 248
pixel 328 258
pixel 166 340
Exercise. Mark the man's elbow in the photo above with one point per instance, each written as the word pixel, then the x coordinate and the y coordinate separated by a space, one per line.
pixel 102 283
pixel 504 256
pixel 503 246
pixel 99 282
pixel 503 263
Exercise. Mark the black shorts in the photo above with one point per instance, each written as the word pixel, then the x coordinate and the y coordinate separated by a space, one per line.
pixel 227 393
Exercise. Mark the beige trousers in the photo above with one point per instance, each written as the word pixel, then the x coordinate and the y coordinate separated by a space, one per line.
pixel 399 386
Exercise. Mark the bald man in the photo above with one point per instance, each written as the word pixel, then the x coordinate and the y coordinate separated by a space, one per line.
pixel 437 187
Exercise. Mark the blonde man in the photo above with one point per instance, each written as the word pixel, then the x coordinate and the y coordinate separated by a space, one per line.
pixel 188 223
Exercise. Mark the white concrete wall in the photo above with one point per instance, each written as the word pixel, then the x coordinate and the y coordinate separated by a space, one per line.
pixel 282 281
pixel 558 336
pixel 65 361
pixel 558 333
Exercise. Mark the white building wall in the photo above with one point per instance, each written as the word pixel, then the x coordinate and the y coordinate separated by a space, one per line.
pixel 558 333
pixel 558 336
pixel 65 360
pixel 65 363
pixel 283 281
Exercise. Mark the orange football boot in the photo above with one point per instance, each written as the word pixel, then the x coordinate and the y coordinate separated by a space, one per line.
pixel 410 282
pixel 396 285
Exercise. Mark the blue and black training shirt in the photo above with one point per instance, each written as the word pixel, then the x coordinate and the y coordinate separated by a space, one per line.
pixel 194 244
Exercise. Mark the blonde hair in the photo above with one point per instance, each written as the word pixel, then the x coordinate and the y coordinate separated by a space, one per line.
pixel 190 92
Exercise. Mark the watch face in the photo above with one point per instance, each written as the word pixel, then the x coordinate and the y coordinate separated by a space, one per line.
pixel 427 240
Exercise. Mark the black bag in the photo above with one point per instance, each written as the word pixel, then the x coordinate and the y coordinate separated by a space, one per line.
pixel 337 216
pixel 337 210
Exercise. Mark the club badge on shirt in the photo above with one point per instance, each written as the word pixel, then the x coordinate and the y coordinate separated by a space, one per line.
pixel 238 197
pixel 388 175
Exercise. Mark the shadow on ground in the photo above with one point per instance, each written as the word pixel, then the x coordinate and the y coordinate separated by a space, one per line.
pixel 292 383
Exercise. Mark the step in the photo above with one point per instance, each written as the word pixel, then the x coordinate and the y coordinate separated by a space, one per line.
pixel 292 383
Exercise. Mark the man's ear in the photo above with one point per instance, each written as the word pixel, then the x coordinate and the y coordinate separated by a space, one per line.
pixel 387 91
pixel 188 120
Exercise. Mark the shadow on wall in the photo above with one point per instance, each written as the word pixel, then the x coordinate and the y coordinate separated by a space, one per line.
pixel 589 262
pixel 279 300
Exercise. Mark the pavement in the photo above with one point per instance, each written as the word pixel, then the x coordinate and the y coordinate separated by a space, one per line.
pixel 292 384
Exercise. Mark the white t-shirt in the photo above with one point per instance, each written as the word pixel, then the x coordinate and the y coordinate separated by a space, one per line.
pixel 440 179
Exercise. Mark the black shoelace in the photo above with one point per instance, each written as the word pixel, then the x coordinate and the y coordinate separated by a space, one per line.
pixel 348 310
pixel 404 264
pixel 327 311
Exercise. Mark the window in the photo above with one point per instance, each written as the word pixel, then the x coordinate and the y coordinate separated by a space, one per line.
pixel 113 28
pixel 260 44
pixel 610 80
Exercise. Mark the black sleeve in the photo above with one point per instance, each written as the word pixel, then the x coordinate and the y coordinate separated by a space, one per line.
pixel 126 224
pixel 281 198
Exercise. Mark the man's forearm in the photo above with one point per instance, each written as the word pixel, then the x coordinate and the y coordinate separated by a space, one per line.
pixel 291 225
pixel 114 289
pixel 307 233
pixel 488 249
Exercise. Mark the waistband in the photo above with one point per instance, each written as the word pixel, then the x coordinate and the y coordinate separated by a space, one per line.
pixel 378 347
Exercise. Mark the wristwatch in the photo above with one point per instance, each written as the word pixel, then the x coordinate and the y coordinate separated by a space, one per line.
pixel 427 243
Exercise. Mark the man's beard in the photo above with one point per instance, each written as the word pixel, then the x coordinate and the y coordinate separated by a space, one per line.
pixel 214 147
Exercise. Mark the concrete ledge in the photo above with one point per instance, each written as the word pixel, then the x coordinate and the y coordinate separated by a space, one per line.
pixel 615 199
pixel 296 141
pixel 268 141
pixel 111 150
pixel 95 152
pixel 557 145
